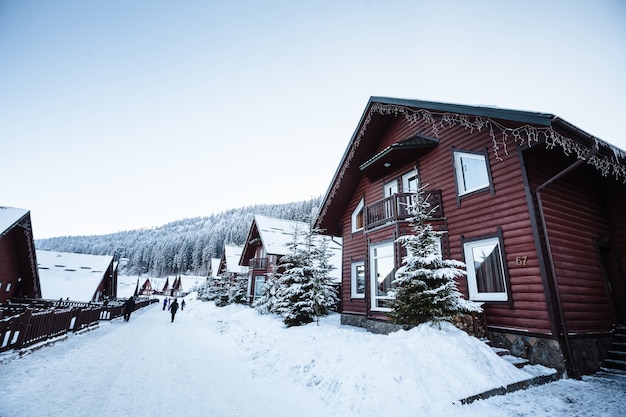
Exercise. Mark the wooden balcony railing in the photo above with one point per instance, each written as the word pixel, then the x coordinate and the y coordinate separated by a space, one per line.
pixel 258 263
pixel 396 208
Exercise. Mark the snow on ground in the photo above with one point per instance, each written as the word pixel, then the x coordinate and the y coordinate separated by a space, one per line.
pixel 233 362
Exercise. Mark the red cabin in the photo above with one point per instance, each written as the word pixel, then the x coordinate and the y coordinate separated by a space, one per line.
pixel 533 205
pixel 19 276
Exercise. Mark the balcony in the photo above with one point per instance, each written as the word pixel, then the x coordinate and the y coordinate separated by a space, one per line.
pixel 258 264
pixel 396 208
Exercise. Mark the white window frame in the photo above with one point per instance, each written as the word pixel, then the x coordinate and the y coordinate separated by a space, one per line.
pixel 360 208
pixel 375 298
pixel 390 188
pixel 258 289
pixel 460 177
pixel 406 180
pixel 354 288
pixel 472 283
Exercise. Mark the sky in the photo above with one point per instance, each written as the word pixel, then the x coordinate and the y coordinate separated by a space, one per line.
pixel 233 362
pixel 126 114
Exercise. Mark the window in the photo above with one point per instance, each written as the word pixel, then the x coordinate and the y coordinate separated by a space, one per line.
pixel 357 217
pixel 382 274
pixel 410 182
pixel 8 287
pixel 390 188
pixel 485 270
pixel 357 280
pixel 259 282
pixel 472 173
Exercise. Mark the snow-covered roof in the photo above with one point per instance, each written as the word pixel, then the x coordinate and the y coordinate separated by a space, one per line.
pixel 126 286
pixel 277 233
pixel 70 275
pixel 232 254
pixel 9 216
pixel 215 266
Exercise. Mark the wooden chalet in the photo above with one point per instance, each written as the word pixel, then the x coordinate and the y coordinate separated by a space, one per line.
pixel 19 277
pixel 229 268
pixel 77 276
pixel 267 242
pixel 533 205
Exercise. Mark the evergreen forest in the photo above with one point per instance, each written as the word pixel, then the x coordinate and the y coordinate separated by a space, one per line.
pixel 183 246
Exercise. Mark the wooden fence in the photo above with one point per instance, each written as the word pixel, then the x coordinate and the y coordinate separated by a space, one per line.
pixel 30 321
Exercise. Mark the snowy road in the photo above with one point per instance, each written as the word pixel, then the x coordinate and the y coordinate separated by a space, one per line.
pixel 233 362
pixel 146 367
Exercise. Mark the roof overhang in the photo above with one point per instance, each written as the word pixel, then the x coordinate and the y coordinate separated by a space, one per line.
pixel 397 154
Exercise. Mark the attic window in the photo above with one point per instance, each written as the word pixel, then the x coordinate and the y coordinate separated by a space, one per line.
pixel 358 217
pixel 472 172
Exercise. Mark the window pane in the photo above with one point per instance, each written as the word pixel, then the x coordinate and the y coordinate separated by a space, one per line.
pixel 360 279
pixel 474 173
pixel 258 286
pixel 382 273
pixel 488 268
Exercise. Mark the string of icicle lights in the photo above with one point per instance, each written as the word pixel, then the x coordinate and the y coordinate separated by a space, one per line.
pixel 500 136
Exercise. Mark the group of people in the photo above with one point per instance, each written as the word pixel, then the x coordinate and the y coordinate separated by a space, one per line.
pixel 129 307
pixel 173 306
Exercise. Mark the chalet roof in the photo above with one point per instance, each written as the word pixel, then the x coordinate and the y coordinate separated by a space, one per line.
pixel 232 255
pixel 9 217
pixel 275 234
pixel 215 266
pixel 514 126
pixel 71 275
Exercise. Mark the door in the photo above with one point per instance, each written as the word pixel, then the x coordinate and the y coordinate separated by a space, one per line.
pixel 614 279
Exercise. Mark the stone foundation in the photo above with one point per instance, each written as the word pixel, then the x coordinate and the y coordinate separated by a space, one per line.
pixel 372 326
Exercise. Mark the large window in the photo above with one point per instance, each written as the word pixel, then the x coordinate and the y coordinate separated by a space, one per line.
pixel 259 282
pixel 485 270
pixel 382 274
pixel 357 217
pixel 472 173
pixel 357 283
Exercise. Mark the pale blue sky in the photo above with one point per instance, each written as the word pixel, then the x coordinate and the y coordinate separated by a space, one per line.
pixel 122 114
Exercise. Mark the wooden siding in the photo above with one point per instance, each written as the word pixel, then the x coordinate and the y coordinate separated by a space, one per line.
pixel 476 216
pixel 9 268
pixel 576 214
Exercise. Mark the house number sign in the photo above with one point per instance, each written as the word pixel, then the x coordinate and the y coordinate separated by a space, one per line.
pixel 521 260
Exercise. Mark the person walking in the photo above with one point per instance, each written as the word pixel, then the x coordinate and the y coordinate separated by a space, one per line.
pixel 182 305
pixel 129 307
pixel 173 308
pixel 164 303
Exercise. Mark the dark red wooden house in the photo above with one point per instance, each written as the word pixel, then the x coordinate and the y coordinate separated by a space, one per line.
pixel 19 275
pixel 533 205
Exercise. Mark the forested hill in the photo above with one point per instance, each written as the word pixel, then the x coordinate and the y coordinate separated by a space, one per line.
pixel 183 246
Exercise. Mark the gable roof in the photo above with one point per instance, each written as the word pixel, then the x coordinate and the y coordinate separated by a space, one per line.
pixel 9 217
pixel 232 255
pixel 521 127
pixel 275 234
pixel 71 275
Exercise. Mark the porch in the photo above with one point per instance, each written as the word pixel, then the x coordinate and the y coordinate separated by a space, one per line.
pixel 395 208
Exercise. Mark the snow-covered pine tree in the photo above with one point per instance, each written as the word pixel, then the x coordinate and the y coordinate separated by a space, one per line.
pixel 267 302
pixel 295 282
pixel 238 291
pixel 325 296
pixel 305 291
pixel 426 289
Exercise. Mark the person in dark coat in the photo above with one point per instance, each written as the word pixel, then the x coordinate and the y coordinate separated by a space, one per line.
pixel 182 305
pixel 129 307
pixel 173 308
pixel 164 303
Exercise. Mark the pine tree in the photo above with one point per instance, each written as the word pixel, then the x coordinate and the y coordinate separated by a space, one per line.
pixel 266 304
pixel 426 288
pixel 305 291
pixel 238 291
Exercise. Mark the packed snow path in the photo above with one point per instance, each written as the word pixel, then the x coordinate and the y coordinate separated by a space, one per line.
pixel 233 362
pixel 148 366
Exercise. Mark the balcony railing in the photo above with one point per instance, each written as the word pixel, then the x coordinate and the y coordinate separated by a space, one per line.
pixel 258 263
pixel 396 208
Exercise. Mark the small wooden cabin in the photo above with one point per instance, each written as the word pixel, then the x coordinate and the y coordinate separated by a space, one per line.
pixel 533 205
pixel 266 242
pixel 19 276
